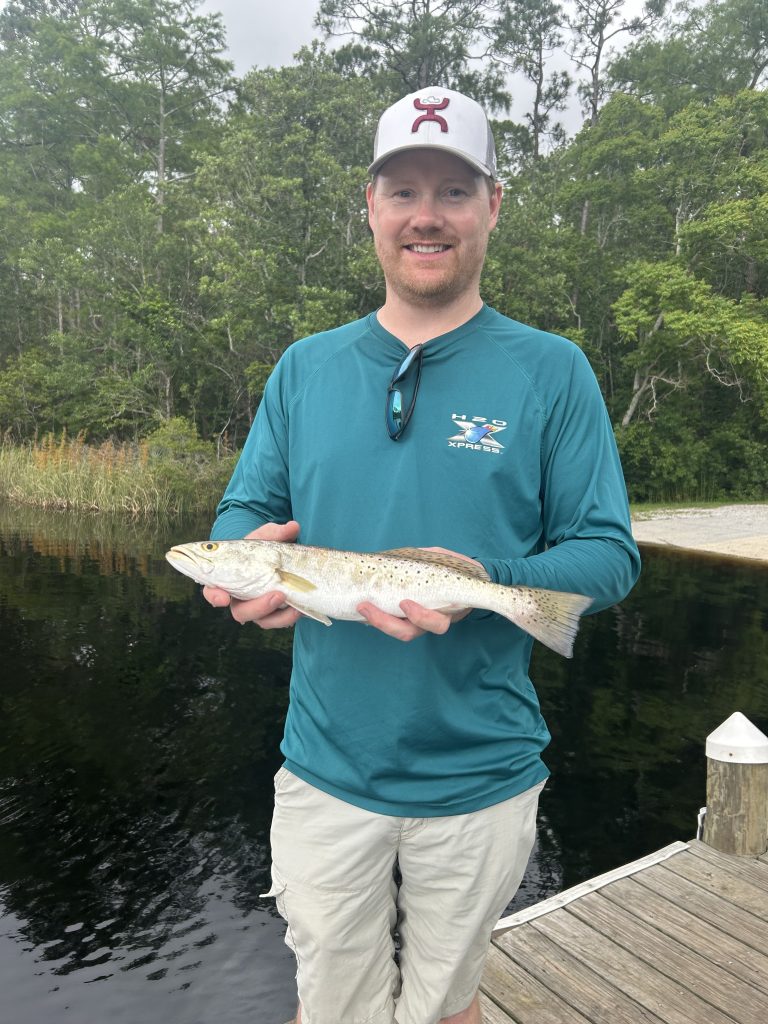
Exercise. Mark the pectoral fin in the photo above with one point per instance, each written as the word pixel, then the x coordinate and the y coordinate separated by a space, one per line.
pixel 290 579
pixel 317 616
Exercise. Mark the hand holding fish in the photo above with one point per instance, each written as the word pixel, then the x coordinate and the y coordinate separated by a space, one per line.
pixel 269 611
pixel 418 619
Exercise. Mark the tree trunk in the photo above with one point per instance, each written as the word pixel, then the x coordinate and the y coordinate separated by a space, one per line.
pixel 161 143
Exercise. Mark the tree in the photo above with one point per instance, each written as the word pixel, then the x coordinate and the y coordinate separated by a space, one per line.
pixel 105 111
pixel 528 33
pixel 716 49
pixel 411 44
pixel 703 309
pixel 679 328
pixel 168 78
pixel 283 241
pixel 594 24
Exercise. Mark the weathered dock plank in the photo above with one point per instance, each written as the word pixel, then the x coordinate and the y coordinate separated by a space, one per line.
pixel 749 869
pixel 566 979
pixel 677 961
pixel 722 949
pixel 645 984
pixel 493 1014
pixel 730 886
pixel 731 920
pixel 523 997
pixel 683 941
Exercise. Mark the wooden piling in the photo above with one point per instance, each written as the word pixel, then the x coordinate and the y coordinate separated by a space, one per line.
pixel 736 821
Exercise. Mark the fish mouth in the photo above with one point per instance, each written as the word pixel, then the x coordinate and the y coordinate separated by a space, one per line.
pixel 179 554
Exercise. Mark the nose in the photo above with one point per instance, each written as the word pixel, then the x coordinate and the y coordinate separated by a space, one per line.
pixel 426 215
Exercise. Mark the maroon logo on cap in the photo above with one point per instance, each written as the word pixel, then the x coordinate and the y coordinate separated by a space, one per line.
pixel 431 115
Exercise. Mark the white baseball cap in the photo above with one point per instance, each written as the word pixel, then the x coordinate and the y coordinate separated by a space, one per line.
pixel 436 118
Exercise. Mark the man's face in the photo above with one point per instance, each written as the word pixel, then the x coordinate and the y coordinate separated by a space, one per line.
pixel 431 215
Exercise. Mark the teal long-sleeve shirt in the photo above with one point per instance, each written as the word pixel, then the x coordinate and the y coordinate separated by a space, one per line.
pixel 510 458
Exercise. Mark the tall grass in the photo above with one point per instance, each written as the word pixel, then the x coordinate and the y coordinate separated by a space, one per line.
pixel 161 476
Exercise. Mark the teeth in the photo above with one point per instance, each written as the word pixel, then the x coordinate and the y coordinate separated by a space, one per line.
pixel 427 248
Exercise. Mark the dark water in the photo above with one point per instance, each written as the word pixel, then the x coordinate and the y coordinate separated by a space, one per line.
pixel 138 739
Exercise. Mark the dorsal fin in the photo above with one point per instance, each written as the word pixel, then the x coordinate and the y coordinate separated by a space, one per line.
pixel 439 558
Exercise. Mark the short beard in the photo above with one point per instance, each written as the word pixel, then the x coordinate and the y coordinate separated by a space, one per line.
pixel 434 292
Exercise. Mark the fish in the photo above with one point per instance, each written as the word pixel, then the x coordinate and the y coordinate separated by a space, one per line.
pixel 327 583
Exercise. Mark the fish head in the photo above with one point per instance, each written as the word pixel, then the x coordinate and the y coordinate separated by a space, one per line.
pixel 242 568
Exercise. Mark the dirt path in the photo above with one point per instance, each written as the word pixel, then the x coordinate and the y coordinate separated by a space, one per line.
pixel 737 530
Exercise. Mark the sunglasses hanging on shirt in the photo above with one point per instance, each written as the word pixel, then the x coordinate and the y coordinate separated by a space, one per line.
pixel 405 382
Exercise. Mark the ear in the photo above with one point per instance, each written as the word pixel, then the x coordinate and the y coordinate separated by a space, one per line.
pixel 369 198
pixel 495 204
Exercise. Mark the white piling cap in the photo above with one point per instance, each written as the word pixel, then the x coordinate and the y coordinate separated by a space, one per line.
pixel 739 741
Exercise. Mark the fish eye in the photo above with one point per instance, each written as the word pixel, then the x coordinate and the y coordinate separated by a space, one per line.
pixel 209 545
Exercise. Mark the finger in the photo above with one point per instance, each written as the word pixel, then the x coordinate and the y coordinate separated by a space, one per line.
pixel 216 597
pixel 281 619
pixel 392 625
pixel 426 619
pixel 257 608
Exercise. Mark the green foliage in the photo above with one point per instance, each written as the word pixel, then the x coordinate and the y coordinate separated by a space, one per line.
pixel 256 376
pixel 708 50
pixel 682 461
pixel 185 466
pixel 410 44
pixel 167 232
pixel 528 33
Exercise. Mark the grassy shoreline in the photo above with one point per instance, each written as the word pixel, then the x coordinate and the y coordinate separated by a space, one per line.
pixel 171 473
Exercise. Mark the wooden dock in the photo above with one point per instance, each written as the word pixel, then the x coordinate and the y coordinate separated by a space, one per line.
pixel 680 937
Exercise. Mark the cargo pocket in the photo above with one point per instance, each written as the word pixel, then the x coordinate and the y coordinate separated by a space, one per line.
pixel 276 889
pixel 282 775
pixel 277 892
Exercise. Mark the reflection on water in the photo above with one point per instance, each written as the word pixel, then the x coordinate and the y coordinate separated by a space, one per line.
pixel 138 738
pixel 137 745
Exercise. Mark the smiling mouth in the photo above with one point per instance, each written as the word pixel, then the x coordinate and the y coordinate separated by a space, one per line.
pixel 427 248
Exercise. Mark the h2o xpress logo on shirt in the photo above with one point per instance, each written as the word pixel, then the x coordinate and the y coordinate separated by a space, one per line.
pixel 476 433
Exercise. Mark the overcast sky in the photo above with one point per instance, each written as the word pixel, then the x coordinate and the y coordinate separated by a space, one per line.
pixel 264 33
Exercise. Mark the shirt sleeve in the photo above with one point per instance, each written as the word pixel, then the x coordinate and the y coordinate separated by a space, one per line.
pixel 259 491
pixel 587 544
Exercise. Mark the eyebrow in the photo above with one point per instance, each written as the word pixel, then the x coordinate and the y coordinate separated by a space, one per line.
pixel 405 181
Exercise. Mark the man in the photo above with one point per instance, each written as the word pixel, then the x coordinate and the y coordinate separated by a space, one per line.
pixel 491 441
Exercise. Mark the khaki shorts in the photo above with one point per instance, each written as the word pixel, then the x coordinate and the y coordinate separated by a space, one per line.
pixel 333 882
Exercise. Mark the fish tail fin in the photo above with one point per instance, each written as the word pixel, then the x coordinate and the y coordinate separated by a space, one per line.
pixel 550 616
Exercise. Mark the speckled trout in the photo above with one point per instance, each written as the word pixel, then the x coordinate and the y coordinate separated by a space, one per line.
pixel 325 584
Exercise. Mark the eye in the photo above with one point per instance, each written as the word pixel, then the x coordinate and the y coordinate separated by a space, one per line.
pixel 209 545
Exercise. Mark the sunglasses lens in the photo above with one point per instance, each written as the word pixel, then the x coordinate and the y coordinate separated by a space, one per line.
pixel 395 412
pixel 406 364
pixel 403 383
